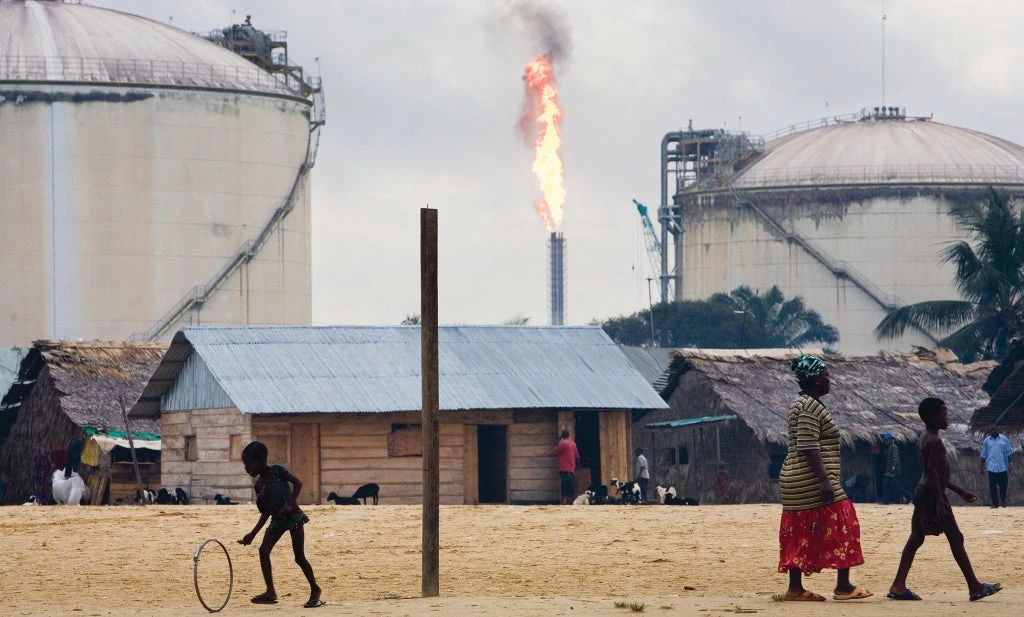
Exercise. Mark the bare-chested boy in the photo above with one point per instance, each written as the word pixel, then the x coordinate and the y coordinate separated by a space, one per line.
pixel 933 514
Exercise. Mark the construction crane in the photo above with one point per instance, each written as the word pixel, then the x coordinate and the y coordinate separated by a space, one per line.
pixel 650 239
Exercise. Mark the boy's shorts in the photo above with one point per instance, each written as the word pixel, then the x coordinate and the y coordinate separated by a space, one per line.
pixel 924 518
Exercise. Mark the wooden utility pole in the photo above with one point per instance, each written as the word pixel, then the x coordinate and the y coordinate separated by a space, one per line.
pixel 131 446
pixel 431 402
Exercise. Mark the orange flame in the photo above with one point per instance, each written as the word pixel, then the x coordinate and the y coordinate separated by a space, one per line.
pixel 542 104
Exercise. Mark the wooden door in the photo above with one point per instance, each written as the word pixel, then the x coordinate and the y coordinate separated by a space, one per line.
pixel 615 456
pixel 305 460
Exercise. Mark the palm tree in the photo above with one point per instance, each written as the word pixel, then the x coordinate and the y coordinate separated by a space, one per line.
pixel 990 278
pixel 784 323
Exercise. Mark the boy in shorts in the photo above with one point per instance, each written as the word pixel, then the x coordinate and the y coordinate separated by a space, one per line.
pixel 288 518
pixel 933 514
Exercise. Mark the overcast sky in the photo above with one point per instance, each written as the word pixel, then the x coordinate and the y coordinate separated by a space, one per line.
pixel 423 96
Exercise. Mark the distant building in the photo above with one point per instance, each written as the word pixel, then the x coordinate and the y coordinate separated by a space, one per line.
pixel 848 212
pixel 340 407
pixel 724 437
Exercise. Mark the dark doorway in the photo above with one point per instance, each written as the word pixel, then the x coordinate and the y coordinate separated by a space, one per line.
pixel 588 442
pixel 492 446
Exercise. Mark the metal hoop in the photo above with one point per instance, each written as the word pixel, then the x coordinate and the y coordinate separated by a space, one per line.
pixel 195 575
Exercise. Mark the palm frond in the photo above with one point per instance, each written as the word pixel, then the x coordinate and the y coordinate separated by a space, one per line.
pixel 935 315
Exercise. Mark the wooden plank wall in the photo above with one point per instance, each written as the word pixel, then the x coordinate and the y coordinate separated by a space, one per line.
pixel 533 468
pixel 214 471
pixel 354 451
pixel 616 459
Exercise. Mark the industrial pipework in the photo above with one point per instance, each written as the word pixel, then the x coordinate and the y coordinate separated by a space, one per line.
pixel 556 264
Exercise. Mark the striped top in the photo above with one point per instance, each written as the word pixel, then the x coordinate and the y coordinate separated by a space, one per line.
pixel 810 428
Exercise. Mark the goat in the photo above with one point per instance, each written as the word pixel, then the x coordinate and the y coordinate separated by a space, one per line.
pixel 672 500
pixel 145 496
pixel 342 501
pixel 629 492
pixel 181 496
pixel 164 498
pixel 599 494
pixel 31 501
pixel 662 492
pixel 221 500
pixel 367 490
pixel 586 499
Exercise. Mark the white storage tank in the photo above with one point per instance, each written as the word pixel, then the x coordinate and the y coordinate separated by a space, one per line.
pixel 148 179
pixel 850 214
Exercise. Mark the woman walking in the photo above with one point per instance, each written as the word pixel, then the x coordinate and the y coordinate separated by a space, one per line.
pixel 819 527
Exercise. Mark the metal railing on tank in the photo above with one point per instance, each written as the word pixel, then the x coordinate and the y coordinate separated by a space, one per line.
pixel 882 174
pixel 149 72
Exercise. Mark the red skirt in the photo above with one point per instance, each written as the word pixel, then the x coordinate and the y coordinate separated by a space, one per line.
pixel 827 537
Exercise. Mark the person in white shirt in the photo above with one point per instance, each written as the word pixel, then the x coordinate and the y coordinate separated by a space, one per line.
pixel 642 473
pixel 995 459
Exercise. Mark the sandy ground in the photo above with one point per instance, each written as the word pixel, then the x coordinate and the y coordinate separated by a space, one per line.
pixel 495 560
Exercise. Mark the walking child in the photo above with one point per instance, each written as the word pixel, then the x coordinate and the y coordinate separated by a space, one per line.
pixel 933 514
pixel 287 517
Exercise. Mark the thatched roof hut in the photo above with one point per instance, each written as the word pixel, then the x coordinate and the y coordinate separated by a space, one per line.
pixel 870 395
pixel 64 387
pixel 728 415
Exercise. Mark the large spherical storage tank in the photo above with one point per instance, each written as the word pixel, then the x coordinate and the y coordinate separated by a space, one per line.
pixel 851 215
pixel 137 163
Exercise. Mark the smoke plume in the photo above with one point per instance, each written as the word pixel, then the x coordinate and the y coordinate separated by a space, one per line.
pixel 546 27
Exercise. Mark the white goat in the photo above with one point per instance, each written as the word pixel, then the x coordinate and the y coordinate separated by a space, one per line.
pixel 586 499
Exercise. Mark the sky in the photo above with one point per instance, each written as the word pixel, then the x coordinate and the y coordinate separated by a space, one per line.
pixel 422 99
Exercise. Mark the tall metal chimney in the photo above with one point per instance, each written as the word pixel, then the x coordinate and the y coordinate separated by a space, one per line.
pixel 556 267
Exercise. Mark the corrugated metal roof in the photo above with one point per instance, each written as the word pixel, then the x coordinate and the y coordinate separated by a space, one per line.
pixel 273 370
pixel 886 152
pixel 690 421
pixel 59 42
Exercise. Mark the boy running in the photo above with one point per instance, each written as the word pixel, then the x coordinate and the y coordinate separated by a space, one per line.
pixel 933 514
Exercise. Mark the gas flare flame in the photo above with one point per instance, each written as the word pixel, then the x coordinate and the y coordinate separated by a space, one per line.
pixel 541 118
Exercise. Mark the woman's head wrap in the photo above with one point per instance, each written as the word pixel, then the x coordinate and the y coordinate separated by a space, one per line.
pixel 806 367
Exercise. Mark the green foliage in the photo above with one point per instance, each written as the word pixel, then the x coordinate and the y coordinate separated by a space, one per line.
pixel 741 319
pixel 988 273
pixel 411 320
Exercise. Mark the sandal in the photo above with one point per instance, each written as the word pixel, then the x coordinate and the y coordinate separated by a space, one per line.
pixel 988 589
pixel 906 595
pixel 264 598
pixel 858 593
pixel 805 596
pixel 314 603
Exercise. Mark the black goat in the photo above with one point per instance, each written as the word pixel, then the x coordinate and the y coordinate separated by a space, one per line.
pixel 342 501
pixel 367 490
pixel 164 498
pixel 221 500
pixel 180 496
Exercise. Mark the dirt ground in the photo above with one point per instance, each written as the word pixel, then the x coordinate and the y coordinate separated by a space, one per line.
pixel 495 560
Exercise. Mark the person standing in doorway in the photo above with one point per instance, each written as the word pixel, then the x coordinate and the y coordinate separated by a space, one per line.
pixel 642 473
pixel 568 460
pixel 892 489
pixel 995 459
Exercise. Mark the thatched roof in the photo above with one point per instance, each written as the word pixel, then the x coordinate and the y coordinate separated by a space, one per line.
pixel 90 377
pixel 870 395
pixel 1006 384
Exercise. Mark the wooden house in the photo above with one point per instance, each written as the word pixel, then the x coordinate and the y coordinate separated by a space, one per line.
pixel 64 389
pixel 340 407
pixel 723 439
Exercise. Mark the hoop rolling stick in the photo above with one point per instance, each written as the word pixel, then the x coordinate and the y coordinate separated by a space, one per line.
pixel 195 575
